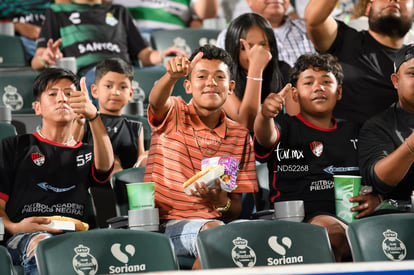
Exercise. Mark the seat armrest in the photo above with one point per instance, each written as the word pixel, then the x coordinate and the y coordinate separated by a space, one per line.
pixel 263 214
pixel 118 222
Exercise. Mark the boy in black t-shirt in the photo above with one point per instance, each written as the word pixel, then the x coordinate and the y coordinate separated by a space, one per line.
pixel 305 151
pixel 113 89
pixel 48 173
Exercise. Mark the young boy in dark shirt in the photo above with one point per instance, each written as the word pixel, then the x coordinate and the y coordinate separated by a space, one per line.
pixel 113 89
pixel 303 152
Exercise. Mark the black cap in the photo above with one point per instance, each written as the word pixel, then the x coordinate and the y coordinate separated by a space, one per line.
pixel 403 55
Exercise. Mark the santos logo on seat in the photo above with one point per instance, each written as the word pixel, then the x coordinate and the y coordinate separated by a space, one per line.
pixel 85 263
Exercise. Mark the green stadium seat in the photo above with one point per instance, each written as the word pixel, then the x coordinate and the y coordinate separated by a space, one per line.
pixel 387 237
pixel 105 251
pixel 11 52
pixel 187 39
pixel 144 80
pixel 7 130
pixel 16 90
pixel 251 243
pixel 6 264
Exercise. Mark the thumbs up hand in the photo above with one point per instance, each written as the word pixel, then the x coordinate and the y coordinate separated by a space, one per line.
pixel 80 102
pixel 274 103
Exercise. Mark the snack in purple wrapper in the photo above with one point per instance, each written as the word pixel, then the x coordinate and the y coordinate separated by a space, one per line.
pixel 231 168
pixel 208 176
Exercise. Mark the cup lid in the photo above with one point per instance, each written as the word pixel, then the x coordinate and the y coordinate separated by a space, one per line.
pixel 347 176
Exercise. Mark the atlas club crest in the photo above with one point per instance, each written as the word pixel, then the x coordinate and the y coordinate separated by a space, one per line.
pixel 38 159
pixel 316 148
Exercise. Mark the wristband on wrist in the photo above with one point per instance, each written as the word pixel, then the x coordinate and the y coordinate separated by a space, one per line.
pixel 42 61
pixel 255 78
pixel 409 147
pixel 224 208
pixel 95 117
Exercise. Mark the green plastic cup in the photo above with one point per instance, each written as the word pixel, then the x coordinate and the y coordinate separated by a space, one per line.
pixel 140 195
pixel 346 186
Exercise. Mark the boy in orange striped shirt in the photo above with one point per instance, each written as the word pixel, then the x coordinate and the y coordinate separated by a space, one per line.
pixel 183 135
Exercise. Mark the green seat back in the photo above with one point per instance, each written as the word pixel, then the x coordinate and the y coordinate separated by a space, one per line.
pixel 11 52
pixel 118 182
pixel 187 39
pixel 179 90
pixel 16 90
pixel 7 130
pixel 6 264
pixel 105 251
pixel 144 80
pixel 387 237
pixel 263 243
pixel 26 123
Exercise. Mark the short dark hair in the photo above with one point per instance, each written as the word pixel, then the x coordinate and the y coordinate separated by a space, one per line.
pixel 324 62
pixel 116 65
pixel 51 75
pixel 211 52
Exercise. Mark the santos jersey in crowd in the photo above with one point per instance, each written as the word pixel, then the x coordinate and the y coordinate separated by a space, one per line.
pixel 24 11
pixel 124 135
pixel 164 14
pixel 34 182
pixel 92 33
pixel 303 161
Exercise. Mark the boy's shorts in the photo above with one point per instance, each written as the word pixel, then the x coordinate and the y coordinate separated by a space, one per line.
pixel 183 234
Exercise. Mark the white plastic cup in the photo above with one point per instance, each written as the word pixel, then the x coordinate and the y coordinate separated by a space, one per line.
pixel 7 28
pixel 5 114
pixel 412 201
pixel 68 63
pixel 289 210
pixel 144 219
pixel 1 229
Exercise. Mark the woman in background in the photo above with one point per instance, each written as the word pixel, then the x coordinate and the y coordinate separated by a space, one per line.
pixel 251 42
